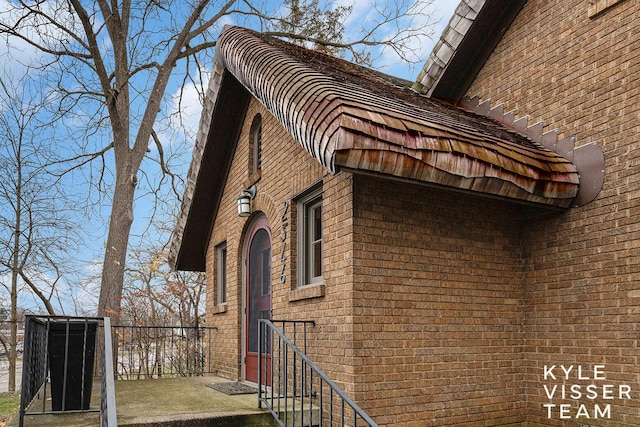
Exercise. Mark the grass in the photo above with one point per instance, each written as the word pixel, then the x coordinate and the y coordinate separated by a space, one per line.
pixel 9 405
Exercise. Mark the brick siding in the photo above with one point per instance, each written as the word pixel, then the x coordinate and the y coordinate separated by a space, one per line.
pixel 286 171
pixel 440 308
pixel 437 306
pixel 580 72
pixel 419 315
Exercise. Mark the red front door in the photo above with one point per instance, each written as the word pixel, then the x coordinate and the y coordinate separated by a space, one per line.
pixel 258 276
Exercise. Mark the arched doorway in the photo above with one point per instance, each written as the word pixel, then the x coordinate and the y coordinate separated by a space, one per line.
pixel 258 292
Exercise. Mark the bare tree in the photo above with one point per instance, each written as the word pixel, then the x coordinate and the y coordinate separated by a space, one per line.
pixel 164 309
pixel 36 229
pixel 111 63
pixel 156 295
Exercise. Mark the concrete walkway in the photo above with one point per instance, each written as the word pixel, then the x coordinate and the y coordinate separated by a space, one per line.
pixel 180 402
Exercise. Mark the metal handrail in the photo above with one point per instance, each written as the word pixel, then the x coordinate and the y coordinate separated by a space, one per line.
pixel 294 389
pixel 162 351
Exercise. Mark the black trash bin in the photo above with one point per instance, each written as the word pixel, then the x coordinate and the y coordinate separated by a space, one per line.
pixel 73 342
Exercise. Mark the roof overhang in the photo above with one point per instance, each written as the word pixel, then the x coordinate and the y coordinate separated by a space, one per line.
pixel 346 116
pixel 224 108
pixel 472 34
pixel 475 29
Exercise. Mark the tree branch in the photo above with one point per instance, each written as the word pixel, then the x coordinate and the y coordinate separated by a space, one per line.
pixel 84 159
pixel 38 292
pixel 163 165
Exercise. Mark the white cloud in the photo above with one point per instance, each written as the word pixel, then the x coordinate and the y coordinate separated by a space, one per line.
pixel 184 109
pixel 71 295
pixel 88 291
pixel 190 106
pixel 361 12
pixel 19 56
pixel 444 10
pixel 26 298
pixel 225 20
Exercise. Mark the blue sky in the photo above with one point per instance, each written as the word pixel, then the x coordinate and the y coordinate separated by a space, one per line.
pixel 443 10
pixel 91 255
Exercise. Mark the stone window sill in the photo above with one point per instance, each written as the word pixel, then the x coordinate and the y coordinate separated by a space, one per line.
pixel 306 292
pixel 596 7
pixel 219 309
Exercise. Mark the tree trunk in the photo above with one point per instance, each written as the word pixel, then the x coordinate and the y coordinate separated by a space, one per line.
pixel 13 354
pixel 115 255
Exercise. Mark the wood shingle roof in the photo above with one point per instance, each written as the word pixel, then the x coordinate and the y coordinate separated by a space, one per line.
pixel 350 117
pixel 353 118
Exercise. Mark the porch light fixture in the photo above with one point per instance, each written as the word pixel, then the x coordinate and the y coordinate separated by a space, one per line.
pixel 244 200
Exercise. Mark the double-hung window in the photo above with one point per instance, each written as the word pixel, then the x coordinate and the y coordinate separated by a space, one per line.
pixel 310 237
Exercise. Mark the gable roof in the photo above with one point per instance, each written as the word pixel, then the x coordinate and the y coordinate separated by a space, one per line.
pixel 353 118
pixel 346 116
pixel 475 29
pixel 466 42
pixel 223 110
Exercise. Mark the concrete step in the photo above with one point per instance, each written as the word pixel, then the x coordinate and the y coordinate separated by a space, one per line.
pixel 295 414
pixel 208 420
pixel 92 419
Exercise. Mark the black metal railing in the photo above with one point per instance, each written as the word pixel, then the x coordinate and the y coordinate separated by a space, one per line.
pixel 162 351
pixel 57 367
pixel 293 388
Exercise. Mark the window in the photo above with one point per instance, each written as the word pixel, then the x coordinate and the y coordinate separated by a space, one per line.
pixel 221 259
pixel 255 144
pixel 596 7
pixel 310 237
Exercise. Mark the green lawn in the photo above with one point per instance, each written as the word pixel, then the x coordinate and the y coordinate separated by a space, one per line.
pixel 9 405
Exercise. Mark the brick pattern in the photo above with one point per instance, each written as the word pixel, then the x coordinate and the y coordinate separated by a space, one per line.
pixel 437 306
pixel 598 6
pixel 578 71
pixel 286 171
pixel 419 315
pixel 441 309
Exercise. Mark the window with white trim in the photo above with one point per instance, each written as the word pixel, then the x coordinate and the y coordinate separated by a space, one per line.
pixel 309 239
pixel 221 273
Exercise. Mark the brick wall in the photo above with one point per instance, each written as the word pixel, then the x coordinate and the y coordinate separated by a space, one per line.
pixel 286 171
pixel 437 306
pixel 440 308
pixel 580 72
pixel 419 317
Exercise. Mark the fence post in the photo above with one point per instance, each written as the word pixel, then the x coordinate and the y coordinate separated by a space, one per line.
pixel 108 415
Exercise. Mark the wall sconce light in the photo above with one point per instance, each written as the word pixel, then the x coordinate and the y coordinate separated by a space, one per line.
pixel 244 200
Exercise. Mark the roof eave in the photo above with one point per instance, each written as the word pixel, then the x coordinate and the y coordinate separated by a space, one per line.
pixel 215 146
pixel 464 46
